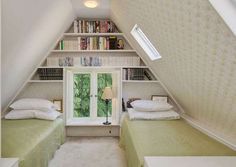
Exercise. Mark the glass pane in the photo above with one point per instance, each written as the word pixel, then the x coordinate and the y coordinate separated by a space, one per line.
pixel 103 80
pixel 81 95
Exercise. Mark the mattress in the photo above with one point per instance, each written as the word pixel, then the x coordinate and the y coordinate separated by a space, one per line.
pixel 33 141
pixel 142 138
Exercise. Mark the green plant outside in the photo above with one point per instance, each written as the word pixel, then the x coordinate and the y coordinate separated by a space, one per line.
pixel 82 94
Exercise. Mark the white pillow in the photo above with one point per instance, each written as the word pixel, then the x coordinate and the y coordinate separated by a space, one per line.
pixel 166 115
pixel 23 114
pixel 51 115
pixel 33 104
pixel 29 114
pixel 149 105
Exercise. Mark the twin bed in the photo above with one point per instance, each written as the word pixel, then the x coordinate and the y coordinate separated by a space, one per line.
pixel 142 138
pixel 33 141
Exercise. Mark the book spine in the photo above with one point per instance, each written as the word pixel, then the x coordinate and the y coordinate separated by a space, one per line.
pixel 83 31
pixel 88 43
pixel 80 26
pixel 61 45
pixel 75 26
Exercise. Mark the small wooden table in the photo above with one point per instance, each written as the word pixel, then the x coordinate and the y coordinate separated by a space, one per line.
pixel 191 161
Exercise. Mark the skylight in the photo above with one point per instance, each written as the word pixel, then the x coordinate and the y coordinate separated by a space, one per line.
pixel 145 43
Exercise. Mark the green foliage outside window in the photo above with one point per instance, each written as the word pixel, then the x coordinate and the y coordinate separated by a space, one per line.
pixel 104 80
pixel 82 94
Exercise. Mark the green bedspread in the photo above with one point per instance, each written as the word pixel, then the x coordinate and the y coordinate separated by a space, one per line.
pixel 32 141
pixel 166 138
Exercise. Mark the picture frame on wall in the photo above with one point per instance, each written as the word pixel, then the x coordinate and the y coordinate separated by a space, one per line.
pixel 58 104
pixel 160 98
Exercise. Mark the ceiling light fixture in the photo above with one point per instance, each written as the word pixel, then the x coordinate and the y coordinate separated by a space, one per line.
pixel 91 3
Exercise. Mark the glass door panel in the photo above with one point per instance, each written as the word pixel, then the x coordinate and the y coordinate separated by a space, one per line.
pixel 103 80
pixel 82 92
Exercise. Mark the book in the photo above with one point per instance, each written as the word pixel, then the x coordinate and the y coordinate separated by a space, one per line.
pixel 146 73
pixel 75 26
pixel 112 43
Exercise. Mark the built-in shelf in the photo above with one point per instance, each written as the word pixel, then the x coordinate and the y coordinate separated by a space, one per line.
pixel 134 67
pixel 94 51
pixel 51 67
pixel 45 81
pixel 93 67
pixel 140 81
pixel 92 34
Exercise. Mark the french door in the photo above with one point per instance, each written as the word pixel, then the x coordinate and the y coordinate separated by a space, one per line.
pixel 86 88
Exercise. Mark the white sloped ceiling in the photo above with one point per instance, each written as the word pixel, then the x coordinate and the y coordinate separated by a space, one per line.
pixel 198 63
pixel 29 29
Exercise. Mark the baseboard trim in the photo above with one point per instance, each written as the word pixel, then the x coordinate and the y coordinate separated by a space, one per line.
pixel 208 132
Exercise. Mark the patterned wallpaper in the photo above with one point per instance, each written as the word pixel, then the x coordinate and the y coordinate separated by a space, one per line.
pixel 198 64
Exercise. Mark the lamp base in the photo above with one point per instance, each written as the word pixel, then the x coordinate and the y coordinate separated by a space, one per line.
pixel 106 123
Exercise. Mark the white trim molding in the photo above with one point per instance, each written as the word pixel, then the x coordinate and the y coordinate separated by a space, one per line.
pixel 209 133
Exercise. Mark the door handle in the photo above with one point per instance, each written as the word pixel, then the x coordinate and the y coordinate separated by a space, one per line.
pixel 91 95
pixel 96 95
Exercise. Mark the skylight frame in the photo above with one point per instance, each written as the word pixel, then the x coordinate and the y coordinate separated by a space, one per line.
pixel 145 43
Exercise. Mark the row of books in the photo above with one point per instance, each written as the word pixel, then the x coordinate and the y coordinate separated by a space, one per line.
pixel 98 26
pixel 90 43
pixel 50 73
pixel 133 74
pixel 125 60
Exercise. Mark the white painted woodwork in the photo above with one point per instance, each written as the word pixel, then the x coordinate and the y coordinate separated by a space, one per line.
pixel 93 130
pixel 9 162
pixel 190 161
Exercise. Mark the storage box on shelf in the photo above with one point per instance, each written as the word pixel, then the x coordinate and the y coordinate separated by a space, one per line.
pixel 92 59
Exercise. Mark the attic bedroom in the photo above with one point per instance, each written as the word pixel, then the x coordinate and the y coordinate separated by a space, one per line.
pixel 118 83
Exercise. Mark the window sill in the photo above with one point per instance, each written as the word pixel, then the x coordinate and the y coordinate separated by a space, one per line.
pixel 89 123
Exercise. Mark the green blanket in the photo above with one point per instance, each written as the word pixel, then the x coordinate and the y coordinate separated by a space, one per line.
pixel 32 141
pixel 166 138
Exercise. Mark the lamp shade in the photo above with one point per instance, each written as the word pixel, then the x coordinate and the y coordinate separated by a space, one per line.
pixel 107 93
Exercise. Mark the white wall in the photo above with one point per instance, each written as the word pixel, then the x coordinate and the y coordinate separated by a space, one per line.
pixel 29 29
pixel 198 57
pixel 227 10
pixel 0 68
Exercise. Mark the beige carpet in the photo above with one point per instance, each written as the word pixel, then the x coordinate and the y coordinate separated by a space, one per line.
pixel 89 152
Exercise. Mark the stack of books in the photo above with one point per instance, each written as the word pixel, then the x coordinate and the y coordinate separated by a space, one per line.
pixel 98 26
pixel 50 73
pixel 89 43
pixel 97 43
pixel 133 74
pixel 68 45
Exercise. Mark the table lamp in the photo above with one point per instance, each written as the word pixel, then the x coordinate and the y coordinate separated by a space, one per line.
pixel 107 96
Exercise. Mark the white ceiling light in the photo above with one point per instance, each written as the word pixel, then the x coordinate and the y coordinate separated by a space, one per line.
pixel 91 3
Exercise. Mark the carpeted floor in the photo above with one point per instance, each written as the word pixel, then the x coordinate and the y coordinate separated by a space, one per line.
pixel 89 152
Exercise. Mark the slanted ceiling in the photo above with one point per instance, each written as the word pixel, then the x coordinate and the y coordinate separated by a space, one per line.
pixel 199 56
pixel 198 63
pixel 29 29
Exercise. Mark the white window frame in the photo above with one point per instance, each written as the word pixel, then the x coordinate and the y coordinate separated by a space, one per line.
pixel 93 119
pixel 145 43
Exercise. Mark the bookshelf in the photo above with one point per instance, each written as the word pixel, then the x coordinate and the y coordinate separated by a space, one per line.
pixel 46 83
pixel 92 34
pixel 93 51
pixel 140 81
pixel 74 56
